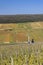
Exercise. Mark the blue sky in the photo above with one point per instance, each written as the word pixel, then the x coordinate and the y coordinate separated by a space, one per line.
pixel 12 7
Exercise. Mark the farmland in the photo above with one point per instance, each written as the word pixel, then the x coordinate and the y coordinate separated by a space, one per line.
pixel 13 47
pixel 19 32
pixel 22 54
pixel 16 31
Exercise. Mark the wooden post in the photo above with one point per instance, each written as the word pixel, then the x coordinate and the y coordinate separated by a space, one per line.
pixel 28 39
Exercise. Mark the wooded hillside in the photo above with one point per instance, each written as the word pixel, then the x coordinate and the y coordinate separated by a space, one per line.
pixel 20 18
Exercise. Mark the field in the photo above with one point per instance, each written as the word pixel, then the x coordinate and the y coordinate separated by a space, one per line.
pixel 16 31
pixel 13 47
pixel 21 32
pixel 21 54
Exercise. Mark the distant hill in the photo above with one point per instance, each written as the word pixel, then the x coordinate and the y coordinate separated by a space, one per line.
pixel 20 18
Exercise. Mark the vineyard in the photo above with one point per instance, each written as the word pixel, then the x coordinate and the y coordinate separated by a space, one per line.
pixel 21 54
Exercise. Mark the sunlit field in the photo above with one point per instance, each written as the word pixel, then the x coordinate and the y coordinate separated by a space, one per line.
pixel 19 32
pixel 21 54
pixel 14 46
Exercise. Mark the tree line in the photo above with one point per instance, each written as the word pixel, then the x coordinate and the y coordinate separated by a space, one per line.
pixel 21 18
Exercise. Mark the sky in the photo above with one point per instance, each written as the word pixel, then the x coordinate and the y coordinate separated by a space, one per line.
pixel 13 7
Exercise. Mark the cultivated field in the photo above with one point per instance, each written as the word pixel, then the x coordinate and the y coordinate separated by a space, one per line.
pixel 20 32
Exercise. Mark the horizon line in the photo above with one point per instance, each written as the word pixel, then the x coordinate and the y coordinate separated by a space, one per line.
pixel 22 14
